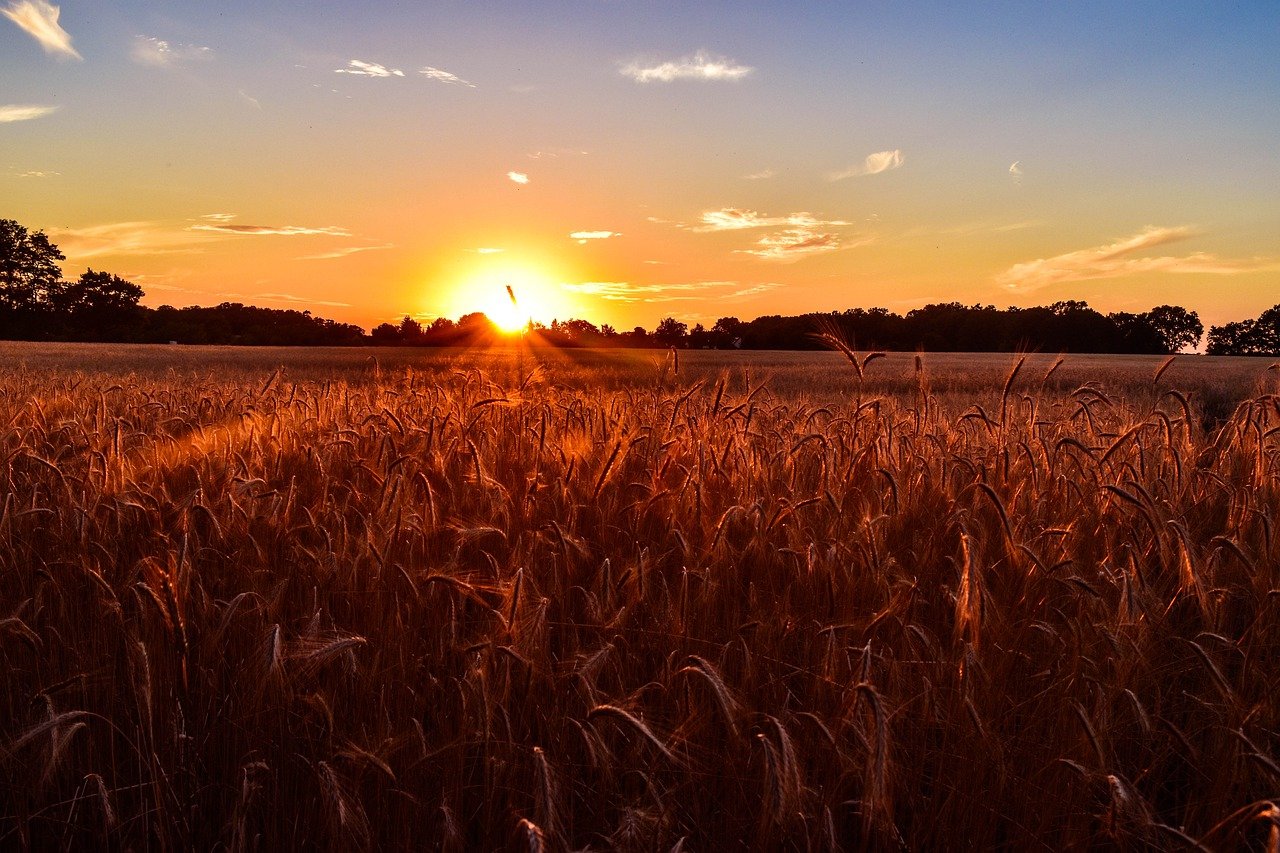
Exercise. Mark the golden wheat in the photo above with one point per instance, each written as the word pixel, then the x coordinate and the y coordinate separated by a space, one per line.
pixel 469 602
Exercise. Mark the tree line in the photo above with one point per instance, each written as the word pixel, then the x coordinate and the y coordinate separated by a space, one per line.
pixel 36 303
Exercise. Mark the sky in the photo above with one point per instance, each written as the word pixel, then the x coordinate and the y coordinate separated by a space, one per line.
pixel 626 161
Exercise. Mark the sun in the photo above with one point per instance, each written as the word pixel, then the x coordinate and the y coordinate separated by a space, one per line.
pixel 505 311
pixel 513 296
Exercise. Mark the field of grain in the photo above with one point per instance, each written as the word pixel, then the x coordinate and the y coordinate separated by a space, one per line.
pixel 345 599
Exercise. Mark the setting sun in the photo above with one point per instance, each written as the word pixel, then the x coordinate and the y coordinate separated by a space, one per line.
pixel 512 296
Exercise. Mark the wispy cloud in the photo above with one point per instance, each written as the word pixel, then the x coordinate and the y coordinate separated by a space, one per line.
pixel 753 290
pixel 271 230
pixel 360 68
pixel 305 300
pixel 874 164
pixel 40 21
pixel 584 236
pixel 792 244
pixel 969 229
pixel 762 175
pixel 24 112
pixel 159 53
pixel 124 238
pixel 487 250
pixel 346 252
pixel 738 219
pixel 622 291
pixel 699 66
pixel 1116 259
pixel 1015 168
pixel 37 173
pixel 249 99
pixel 445 77
pixel 518 177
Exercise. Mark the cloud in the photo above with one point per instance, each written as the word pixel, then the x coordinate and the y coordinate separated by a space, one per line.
pixel 24 112
pixel 124 238
pixel 36 173
pixel 621 291
pixel 271 230
pixel 219 217
pixel 1015 168
pixel 753 290
pixel 40 21
pixel 699 66
pixel 487 250
pixel 159 53
pixel 518 177
pixel 759 176
pixel 584 236
pixel 345 252
pixel 306 300
pixel 874 164
pixel 249 99
pixel 1115 259
pixel 792 244
pixel 360 68
pixel 737 219
pixel 445 77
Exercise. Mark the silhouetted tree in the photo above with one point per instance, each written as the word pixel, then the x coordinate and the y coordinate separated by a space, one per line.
pixel 727 333
pixel 1247 337
pixel 671 332
pixel 28 266
pixel 385 335
pixel 1177 327
pixel 411 332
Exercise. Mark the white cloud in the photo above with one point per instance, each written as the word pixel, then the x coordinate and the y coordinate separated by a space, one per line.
pixel 346 252
pixel 874 164
pixel 159 53
pixel 1115 259
pixel 360 68
pixel 762 175
pixel 445 77
pixel 584 236
pixel 36 173
pixel 24 112
pixel 518 177
pixel 249 99
pixel 737 219
pixel 622 291
pixel 487 250
pixel 222 227
pixel 124 238
pixel 40 21
pixel 699 66
pixel 306 300
pixel 792 244
pixel 1015 168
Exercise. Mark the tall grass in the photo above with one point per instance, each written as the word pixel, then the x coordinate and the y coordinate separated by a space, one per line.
pixel 465 608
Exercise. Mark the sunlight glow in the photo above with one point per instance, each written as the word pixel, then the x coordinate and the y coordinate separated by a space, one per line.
pixel 512 295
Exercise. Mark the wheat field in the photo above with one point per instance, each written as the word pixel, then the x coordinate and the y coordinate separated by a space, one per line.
pixel 270 599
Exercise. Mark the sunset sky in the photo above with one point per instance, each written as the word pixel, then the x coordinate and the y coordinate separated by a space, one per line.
pixel 623 162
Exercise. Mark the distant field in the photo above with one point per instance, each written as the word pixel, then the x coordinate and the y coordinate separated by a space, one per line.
pixel 1219 381
pixel 347 599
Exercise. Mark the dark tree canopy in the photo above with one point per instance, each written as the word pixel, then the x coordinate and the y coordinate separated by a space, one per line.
pixel 1247 337
pixel 28 266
